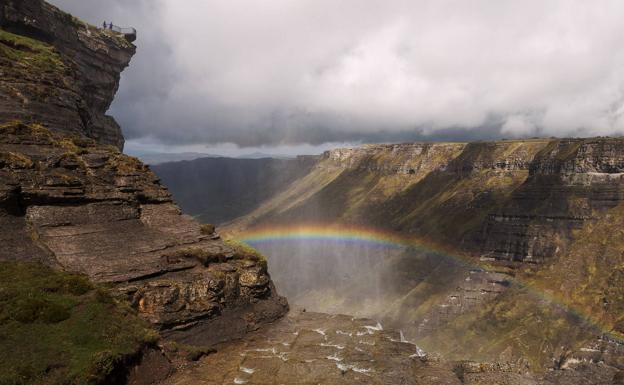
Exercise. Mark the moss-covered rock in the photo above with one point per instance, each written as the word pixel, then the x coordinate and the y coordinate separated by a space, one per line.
pixel 57 328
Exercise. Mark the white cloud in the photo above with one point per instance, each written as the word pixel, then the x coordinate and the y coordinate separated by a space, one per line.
pixel 282 71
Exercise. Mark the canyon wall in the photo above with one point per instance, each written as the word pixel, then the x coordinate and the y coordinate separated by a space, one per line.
pixel 494 219
pixel 58 71
pixel 71 200
pixel 515 201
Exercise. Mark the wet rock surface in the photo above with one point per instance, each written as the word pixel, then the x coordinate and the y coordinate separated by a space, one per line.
pixel 316 348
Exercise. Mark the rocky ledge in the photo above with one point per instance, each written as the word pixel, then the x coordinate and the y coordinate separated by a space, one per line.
pixel 313 348
pixel 86 208
pixel 58 71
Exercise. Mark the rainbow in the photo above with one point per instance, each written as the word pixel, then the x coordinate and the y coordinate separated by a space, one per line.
pixel 316 232
pixel 375 237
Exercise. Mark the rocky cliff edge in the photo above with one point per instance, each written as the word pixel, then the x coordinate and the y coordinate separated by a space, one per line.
pixel 58 71
pixel 71 200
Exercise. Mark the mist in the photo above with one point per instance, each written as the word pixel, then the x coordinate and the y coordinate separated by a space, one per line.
pixel 330 276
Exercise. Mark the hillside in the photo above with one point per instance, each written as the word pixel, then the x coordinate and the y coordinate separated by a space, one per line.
pixel 518 240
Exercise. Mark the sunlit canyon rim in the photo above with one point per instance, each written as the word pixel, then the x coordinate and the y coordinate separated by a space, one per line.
pixel 418 263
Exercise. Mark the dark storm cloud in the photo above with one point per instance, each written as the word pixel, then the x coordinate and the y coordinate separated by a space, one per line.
pixel 314 71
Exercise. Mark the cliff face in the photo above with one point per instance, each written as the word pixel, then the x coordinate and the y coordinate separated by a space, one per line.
pixel 510 201
pixel 59 71
pixel 519 212
pixel 71 200
pixel 570 182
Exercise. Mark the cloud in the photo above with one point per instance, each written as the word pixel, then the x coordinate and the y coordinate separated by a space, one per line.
pixel 285 72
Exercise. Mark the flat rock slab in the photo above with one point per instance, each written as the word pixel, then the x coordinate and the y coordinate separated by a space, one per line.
pixel 314 348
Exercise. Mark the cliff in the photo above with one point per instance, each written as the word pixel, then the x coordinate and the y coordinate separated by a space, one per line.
pixel 516 201
pixel 494 218
pixel 69 199
pixel 58 71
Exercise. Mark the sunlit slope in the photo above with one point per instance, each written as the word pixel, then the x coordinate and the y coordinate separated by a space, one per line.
pixel 557 312
pixel 442 191
pixel 541 217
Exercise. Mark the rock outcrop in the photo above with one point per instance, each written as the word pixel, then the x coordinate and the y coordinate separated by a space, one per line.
pixel 570 182
pixel 71 200
pixel 312 348
pixel 58 71
pixel 86 208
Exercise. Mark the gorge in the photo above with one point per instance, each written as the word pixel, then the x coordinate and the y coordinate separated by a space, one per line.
pixel 489 243
pixel 416 263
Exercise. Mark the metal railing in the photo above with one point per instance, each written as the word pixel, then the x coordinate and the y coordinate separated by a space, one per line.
pixel 123 30
pixel 128 32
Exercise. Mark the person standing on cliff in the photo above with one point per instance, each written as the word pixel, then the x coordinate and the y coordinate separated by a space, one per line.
pixel 111 25
pixel 104 24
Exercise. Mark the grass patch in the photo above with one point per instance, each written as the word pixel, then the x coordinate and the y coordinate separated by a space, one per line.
pixel 57 328
pixel 207 229
pixel 244 251
pixel 30 53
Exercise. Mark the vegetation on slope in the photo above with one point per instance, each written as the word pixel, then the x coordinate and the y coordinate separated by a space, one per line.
pixel 243 184
pixel 31 54
pixel 561 305
pixel 590 277
pixel 57 328
pixel 519 323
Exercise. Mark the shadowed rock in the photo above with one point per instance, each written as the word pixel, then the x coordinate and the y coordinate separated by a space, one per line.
pixel 86 208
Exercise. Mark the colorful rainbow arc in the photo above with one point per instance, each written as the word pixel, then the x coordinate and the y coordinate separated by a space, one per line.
pixel 368 236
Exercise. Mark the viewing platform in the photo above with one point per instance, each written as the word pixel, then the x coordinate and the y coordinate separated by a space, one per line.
pixel 128 33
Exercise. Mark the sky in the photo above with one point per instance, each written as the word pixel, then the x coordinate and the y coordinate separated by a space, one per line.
pixel 241 76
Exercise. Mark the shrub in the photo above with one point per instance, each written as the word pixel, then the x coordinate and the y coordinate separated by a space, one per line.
pixel 207 229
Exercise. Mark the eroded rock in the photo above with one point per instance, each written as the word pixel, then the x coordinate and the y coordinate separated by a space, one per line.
pixel 86 208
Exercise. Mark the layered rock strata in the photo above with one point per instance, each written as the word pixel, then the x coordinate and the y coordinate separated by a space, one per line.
pixel 71 200
pixel 86 208
pixel 515 201
pixel 59 71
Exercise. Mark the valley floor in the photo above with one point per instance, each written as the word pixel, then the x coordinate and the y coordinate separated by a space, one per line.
pixel 313 348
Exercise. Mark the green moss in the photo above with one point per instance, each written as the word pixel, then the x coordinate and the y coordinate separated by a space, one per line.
pixel 55 328
pixel 124 164
pixel 35 131
pixel 30 53
pixel 244 251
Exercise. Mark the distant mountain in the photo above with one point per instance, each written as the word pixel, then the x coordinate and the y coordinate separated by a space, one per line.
pixel 217 189
pixel 154 158
pixel 162 157
pixel 260 155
